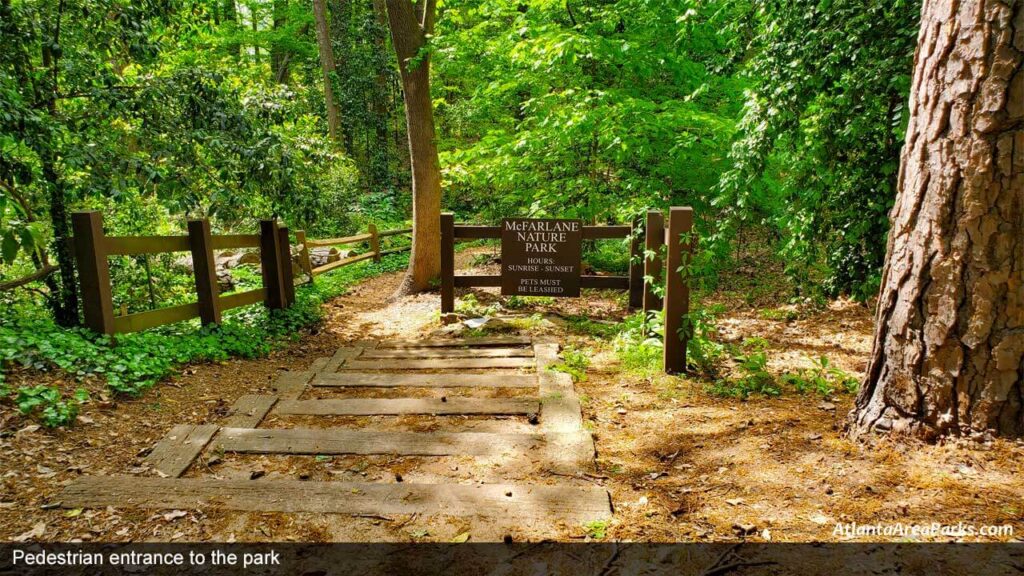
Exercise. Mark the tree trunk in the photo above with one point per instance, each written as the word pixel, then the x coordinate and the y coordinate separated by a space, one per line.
pixel 63 295
pixel 279 65
pixel 948 354
pixel 323 37
pixel 230 14
pixel 380 154
pixel 410 26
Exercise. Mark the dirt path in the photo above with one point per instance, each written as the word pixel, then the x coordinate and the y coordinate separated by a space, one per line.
pixel 679 463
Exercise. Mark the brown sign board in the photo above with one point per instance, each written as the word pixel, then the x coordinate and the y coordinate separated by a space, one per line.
pixel 541 257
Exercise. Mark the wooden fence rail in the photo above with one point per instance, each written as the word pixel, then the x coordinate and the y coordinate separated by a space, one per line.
pixel 93 248
pixel 372 236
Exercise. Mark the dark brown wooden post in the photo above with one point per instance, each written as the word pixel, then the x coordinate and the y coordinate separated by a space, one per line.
pixel 287 269
pixel 677 289
pixel 93 271
pixel 654 234
pixel 374 241
pixel 204 266
pixel 447 263
pixel 270 262
pixel 636 267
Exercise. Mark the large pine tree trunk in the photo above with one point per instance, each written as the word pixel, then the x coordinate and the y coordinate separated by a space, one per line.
pixel 328 67
pixel 410 26
pixel 948 355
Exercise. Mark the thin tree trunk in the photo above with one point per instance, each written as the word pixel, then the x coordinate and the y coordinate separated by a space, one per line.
pixel 63 295
pixel 323 37
pixel 279 61
pixel 379 169
pixel 230 14
pixel 948 355
pixel 410 26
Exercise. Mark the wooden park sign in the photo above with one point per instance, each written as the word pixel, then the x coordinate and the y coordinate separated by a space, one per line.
pixel 541 257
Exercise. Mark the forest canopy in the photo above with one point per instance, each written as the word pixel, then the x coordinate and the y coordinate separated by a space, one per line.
pixel 779 122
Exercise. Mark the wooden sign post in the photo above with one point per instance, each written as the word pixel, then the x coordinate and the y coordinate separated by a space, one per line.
pixel 541 257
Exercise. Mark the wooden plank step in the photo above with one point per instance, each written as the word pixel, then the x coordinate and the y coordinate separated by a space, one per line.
pixel 289 385
pixel 344 441
pixel 552 504
pixel 458 342
pixel 448 353
pixel 394 406
pixel 437 364
pixel 372 380
pixel 560 405
pixel 173 454
pixel 249 410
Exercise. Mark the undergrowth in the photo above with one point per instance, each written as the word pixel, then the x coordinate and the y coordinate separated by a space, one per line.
pixel 137 361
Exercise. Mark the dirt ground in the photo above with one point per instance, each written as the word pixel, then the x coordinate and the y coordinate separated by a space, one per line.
pixel 680 463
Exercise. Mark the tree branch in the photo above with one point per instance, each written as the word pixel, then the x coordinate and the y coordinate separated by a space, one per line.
pixel 33 277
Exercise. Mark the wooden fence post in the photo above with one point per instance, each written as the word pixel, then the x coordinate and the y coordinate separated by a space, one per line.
pixel 677 289
pixel 304 259
pixel 374 241
pixel 287 269
pixel 204 267
pixel 93 271
pixel 270 263
pixel 447 263
pixel 654 239
pixel 636 267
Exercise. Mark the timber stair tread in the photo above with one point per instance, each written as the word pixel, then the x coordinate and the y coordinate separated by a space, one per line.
pixel 347 441
pixel 447 380
pixel 507 501
pixel 395 406
pixel 436 363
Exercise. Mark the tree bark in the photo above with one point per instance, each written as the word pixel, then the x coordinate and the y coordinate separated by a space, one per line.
pixel 323 37
pixel 410 25
pixel 948 356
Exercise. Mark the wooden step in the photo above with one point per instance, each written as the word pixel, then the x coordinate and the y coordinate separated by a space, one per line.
pixel 552 504
pixel 249 410
pixel 449 353
pixel 577 446
pixel 437 364
pixel 394 406
pixel 173 454
pixel 373 380
pixel 457 342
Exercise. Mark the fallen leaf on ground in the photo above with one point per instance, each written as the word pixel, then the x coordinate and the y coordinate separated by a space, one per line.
pixel 36 532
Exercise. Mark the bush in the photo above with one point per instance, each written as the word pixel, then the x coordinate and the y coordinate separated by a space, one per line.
pixel 823 379
pixel 574 363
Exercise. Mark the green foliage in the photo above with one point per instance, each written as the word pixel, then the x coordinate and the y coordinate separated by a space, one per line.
pixel 754 378
pixel 822 378
pixel 818 148
pixel 574 363
pixel 46 401
pixel 610 256
pixel 470 306
pixel 597 529
pixel 637 345
pixel 779 314
pixel 515 302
